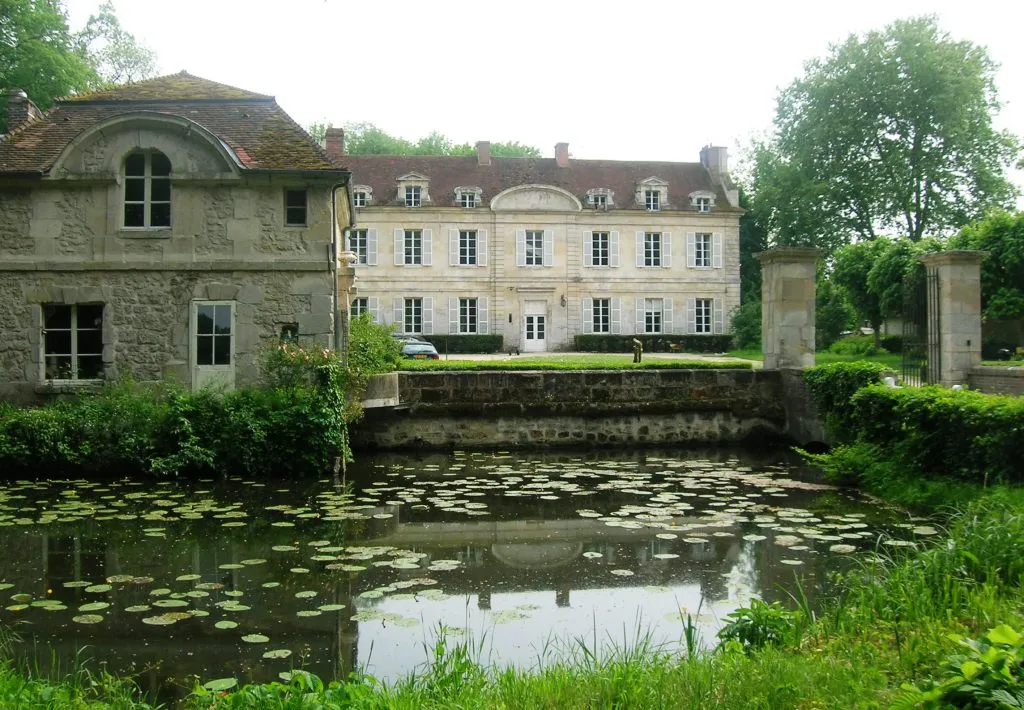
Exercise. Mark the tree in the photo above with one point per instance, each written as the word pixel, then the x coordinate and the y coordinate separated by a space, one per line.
pixel 38 54
pixel 115 54
pixel 851 266
pixel 367 139
pixel 753 239
pixel 1001 234
pixel 890 133
pixel 833 313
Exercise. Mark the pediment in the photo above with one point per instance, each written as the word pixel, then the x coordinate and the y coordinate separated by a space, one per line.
pixel 654 181
pixel 413 177
pixel 536 198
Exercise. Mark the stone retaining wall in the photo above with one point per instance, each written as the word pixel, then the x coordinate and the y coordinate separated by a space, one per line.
pixel 997 380
pixel 554 408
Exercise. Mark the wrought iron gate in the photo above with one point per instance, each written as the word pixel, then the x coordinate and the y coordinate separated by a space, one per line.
pixel 922 351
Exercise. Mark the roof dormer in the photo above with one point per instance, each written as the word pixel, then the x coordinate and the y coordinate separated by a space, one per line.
pixel 600 198
pixel 702 200
pixel 413 190
pixel 468 196
pixel 652 194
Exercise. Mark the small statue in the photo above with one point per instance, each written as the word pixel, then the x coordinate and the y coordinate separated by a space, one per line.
pixel 638 350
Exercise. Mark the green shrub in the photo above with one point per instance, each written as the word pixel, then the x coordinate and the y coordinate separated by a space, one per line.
pixel 833 385
pixel 892 343
pixel 372 350
pixel 746 325
pixel 761 625
pixel 599 343
pixel 863 345
pixel 468 343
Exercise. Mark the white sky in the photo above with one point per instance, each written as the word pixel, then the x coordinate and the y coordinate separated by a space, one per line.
pixel 651 80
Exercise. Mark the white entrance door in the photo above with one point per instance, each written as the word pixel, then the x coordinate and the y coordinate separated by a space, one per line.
pixel 535 326
pixel 213 344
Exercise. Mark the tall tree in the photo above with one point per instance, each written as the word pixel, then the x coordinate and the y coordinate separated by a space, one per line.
pixel 38 53
pixel 890 133
pixel 114 53
pixel 851 266
pixel 1001 234
pixel 367 139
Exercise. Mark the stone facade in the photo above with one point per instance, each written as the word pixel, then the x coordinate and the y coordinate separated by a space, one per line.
pixel 560 408
pixel 562 288
pixel 64 244
pixel 788 307
pixel 959 303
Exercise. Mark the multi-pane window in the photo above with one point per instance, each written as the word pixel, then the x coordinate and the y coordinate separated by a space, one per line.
pixel 598 200
pixel 534 247
pixel 468 315
pixel 359 306
pixel 653 313
pixel 213 334
pixel 703 204
pixel 652 200
pixel 652 249
pixel 147 190
pixel 600 248
pixel 413 246
pixel 413 318
pixel 358 245
pixel 702 315
pixel 413 194
pixel 73 341
pixel 467 246
pixel 295 208
pixel 602 315
pixel 359 198
pixel 467 199
pixel 702 249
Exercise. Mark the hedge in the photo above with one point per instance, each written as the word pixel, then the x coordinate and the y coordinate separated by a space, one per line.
pixel 599 343
pixel 462 344
pixel 833 386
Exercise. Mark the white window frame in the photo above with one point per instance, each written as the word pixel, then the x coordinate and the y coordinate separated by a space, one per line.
pixel 413 196
pixel 412 321
pixel 358 306
pixel 600 242
pixel 701 321
pixel 703 204
pixel 359 198
pixel 359 244
pixel 702 250
pixel 406 243
pixel 714 250
pixel 652 200
pixel 653 249
pixel 220 375
pixel 73 329
pixel 654 315
pixel 469 247
pixel 147 200
pixel 534 247
pixel 601 316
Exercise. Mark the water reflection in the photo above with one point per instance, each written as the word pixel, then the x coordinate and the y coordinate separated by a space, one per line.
pixel 524 555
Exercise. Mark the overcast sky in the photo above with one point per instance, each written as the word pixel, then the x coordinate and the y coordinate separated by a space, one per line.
pixel 651 80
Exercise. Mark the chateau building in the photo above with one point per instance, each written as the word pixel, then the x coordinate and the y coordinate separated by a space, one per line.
pixel 169 228
pixel 539 250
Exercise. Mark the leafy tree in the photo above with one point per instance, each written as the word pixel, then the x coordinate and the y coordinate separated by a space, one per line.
pixel 38 53
pixel 745 324
pixel 851 266
pixel 897 272
pixel 115 55
pixel 833 313
pixel 753 239
pixel 367 139
pixel 891 132
pixel 1002 273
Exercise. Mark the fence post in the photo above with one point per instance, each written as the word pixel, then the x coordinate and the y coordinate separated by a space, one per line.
pixel 959 317
pixel 787 306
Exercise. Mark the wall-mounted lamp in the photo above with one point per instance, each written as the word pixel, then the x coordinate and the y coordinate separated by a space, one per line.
pixel 563 300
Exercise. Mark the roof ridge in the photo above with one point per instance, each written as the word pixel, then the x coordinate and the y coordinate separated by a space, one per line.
pixel 121 93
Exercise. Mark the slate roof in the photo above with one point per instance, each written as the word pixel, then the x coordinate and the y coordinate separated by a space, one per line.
pixel 260 133
pixel 445 173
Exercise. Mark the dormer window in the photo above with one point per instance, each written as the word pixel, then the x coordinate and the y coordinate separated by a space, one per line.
pixel 362 195
pixel 600 198
pixel 412 190
pixel 147 190
pixel 652 194
pixel 468 197
pixel 702 201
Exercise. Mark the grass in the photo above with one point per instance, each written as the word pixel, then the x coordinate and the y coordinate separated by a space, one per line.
pixel 1002 363
pixel 892 360
pixel 888 622
pixel 573 362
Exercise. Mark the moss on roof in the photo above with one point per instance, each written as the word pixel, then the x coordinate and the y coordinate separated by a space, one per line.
pixel 172 87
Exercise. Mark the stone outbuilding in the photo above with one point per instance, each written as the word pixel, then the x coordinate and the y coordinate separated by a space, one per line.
pixel 167 229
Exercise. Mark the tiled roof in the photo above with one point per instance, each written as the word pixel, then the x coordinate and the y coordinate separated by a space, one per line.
pixel 261 134
pixel 446 173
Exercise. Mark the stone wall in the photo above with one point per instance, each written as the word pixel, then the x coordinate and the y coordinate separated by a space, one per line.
pixel 536 409
pixel 997 380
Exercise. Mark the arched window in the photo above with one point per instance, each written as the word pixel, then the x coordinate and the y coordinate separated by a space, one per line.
pixel 147 190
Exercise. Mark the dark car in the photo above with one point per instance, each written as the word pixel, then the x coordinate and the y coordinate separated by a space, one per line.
pixel 419 350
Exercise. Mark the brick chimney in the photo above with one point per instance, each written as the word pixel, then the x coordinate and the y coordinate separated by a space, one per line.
pixel 562 155
pixel 716 160
pixel 20 110
pixel 334 143
pixel 483 152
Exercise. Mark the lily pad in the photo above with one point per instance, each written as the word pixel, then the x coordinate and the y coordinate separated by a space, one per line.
pixel 255 638
pixel 87 619
pixel 278 653
pixel 226 624
pixel 220 684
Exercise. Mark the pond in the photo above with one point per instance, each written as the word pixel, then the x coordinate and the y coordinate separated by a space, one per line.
pixel 523 555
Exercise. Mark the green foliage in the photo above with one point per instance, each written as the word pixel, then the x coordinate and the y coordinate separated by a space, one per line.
pixel 38 53
pixel 753 239
pixel 851 267
pixel 833 314
pixel 115 55
pixel 459 344
pixel 1002 274
pixel 746 324
pixel 760 625
pixel 372 349
pixel 573 362
pixel 863 345
pixel 597 343
pixel 892 130
pixel 833 385
pixel 985 674
pixel 367 139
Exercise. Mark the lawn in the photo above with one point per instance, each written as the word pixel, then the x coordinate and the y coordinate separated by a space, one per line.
pixel 892 360
pixel 575 361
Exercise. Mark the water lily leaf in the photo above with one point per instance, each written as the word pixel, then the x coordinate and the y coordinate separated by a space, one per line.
pixel 333 607
pixel 255 638
pixel 187 577
pixel 170 603
pixel 306 594
pixel 278 653
pixel 119 579
pixel 16 607
pixel 137 609
pixel 94 606
pixel 21 598
pixel 220 684
pixel 309 612
pixel 87 619
pixel 97 588
pixel 226 624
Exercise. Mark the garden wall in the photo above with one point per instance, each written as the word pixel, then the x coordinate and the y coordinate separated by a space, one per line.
pixel 997 380
pixel 440 410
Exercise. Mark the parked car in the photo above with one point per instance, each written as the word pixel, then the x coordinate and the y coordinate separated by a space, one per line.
pixel 419 350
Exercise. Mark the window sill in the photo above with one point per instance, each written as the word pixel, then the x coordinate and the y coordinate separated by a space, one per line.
pixel 145 232
pixel 296 226
pixel 68 386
